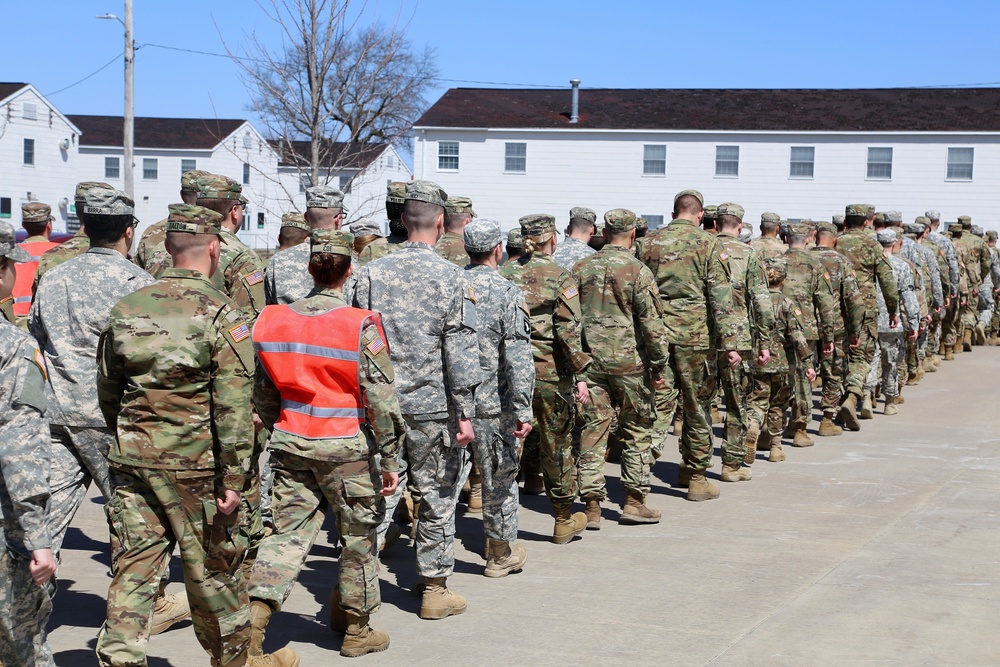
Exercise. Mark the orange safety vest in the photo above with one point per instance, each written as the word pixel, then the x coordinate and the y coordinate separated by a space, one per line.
pixel 314 361
pixel 26 275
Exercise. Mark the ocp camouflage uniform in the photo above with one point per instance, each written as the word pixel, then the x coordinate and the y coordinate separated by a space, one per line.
pixel 768 247
pixel 977 268
pixel 949 327
pixel 65 251
pixel 451 246
pixel 24 495
pixel 175 380
pixel 569 251
pixel 940 258
pixel 151 253
pixel 381 247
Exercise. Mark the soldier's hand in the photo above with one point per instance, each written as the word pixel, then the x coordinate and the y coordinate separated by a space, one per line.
pixel 811 374
pixel 763 357
pixel 912 335
pixel 894 321
pixel 947 301
pixel 855 343
pixel 229 501
pixel 258 425
pixel 42 566
pixel 522 430
pixel 962 303
pixel 659 382
pixel 937 309
pixel 390 480
pixel 582 393
pixel 734 358
pixel 827 349
pixel 465 434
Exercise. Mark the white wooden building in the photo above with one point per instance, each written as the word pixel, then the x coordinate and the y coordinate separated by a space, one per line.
pixel 800 153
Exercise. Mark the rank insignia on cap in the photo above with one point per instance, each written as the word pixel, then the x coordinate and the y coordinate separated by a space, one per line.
pixel 723 256
pixel 571 292
pixel 240 332
pixel 471 295
pixel 254 278
pixel 376 346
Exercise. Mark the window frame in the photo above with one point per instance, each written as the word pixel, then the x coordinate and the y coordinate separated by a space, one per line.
pixel 971 165
pixel 193 163
pixel 792 161
pixel 651 217
pixel 27 152
pixel 156 168
pixel 344 183
pixel 646 160
pixel 869 163
pixel 108 159
pixel 507 157
pixel 456 156
pixel 246 173
pixel 727 160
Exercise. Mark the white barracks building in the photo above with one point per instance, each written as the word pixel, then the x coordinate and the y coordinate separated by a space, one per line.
pixel 800 153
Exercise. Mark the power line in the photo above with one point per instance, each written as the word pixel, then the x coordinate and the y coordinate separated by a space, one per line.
pixel 103 67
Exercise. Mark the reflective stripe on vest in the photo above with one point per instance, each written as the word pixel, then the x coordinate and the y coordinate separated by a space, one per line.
pixel 314 361
pixel 26 275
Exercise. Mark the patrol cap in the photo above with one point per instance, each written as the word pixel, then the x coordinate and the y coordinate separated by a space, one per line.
pixel 619 220
pixel 214 186
pixel 514 239
pixel 799 228
pixel 965 221
pixel 581 213
pixel 748 228
pixel 915 228
pixel 537 224
pixel 838 220
pixel 933 215
pixel 693 193
pixel 777 269
pixel 711 212
pixel 330 242
pixel 104 201
pixel 731 209
pixel 482 235
pixel 366 227
pixel 35 212
pixel 294 219
pixel 977 230
pixel 954 227
pixel 83 186
pixel 880 218
pixel 828 227
pixel 193 219
pixel 189 179
pixel 991 235
pixel 641 223
pixel 8 245
pixel 459 205
pixel 893 216
pixel 769 217
pixel 395 192
pixel 426 191
pixel 857 210
pixel 886 236
pixel 324 196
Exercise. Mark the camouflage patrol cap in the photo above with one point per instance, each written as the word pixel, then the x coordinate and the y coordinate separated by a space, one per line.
pixel 693 193
pixel 581 213
pixel 35 212
pixel 83 186
pixel 915 228
pixel 769 217
pixel 954 227
pixel 886 236
pixel 838 220
pixel 711 212
pixel 828 227
pixel 459 205
pixel 965 221
pixel 977 230
pixel 214 186
pixel 193 219
pixel 922 220
pixel 8 245
pixel 189 179
pixel 748 227
pixel 934 216
pixel 991 235
pixel 514 239
pixel 893 217
pixel 482 235
pixel 537 224
pixel 366 227
pixel 619 220
pixel 799 228
pixel 731 209
pixel 104 201
pixel 324 196
pixel 296 220
pixel 330 242
pixel 777 269
pixel 880 218
pixel 426 191
pixel 856 210
pixel 395 192
pixel 641 223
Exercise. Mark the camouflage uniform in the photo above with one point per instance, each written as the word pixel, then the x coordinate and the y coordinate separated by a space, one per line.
pixel 175 380
pixel 63 252
pixel 891 339
pixel 151 253
pixel 381 247
pixel 24 494
pixel 977 269
pixel 948 326
pixel 569 251
pixel 451 246
pixel 768 247
pixel 287 279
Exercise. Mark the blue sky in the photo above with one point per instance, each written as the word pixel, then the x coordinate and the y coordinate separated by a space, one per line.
pixel 628 44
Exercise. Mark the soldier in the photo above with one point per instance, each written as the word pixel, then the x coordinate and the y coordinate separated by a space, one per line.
pixel 623 329
pixel 36 218
pixel 10 250
pixel 457 214
pixel 838 222
pixel 931 295
pixel 151 253
pixel 75 246
pixel 429 316
pixel 789 348
pixel 752 308
pixel 178 465
pixel 379 248
pixel 692 275
pixel 515 245
pixel 329 413
pixel 365 232
pixel 807 284
pixel 553 300
pixel 709 218
pixel 641 228
pixel 978 269
pixel 768 244
pixel 939 258
pixel 294 230
pixel 870 265
pixel 849 317
pixel 579 231
pixel 985 300
pixel 27 562
pixel 746 234
pixel 948 333
pixel 503 400
pixel 963 252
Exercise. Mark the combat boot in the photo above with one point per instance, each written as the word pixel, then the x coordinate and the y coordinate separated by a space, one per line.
pixel 921 372
pixel 967 341
pixel 502 558
pixel 285 657
pixel 593 513
pixel 360 639
pixel 260 614
pixel 801 438
pixel 568 525
pixel 700 488
pixel 684 476
pixel 980 334
pixel 789 431
pixel 949 353
pixel 635 511
pixel 930 364
pixel 866 407
pixel 168 610
pixel 338 617
pixel 828 428
pixel 937 361
pixel 777 455
pixel 890 406
pixel 912 379
pixel 678 423
pixel 848 412
pixel 735 473
pixel 438 602
pixel 753 434
pixel 717 417
pixel 533 485
pixel 475 505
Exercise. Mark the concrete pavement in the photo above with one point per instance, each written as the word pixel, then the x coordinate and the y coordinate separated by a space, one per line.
pixel 878 547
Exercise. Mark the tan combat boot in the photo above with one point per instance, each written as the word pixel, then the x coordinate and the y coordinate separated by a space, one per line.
pixel 801 438
pixel 285 657
pixel 980 334
pixel 827 427
pixel 260 614
pixel 438 602
pixel 967 341
pixel 866 407
pixel 848 412
pixel 776 454
pixel 890 406
pixel 750 442
pixel 735 473
pixel 360 639
pixel 593 513
pixel 502 558
pixel 899 399
pixel 912 380
pixel 700 488
pixel 635 511
pixel 949 353
pixel 568 525
pixel 168 610
pixel 475 505
pixel 684 476
pixel 678 423
pixel 930 364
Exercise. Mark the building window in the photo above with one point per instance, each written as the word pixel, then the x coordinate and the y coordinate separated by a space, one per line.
pixel 188 165
pixel 247 141
pixel 652 221
pixel 390 162
pixel 880 163
pixel 112 167
pixel 29 151
pixel 29 111
pixel 960 164
pixel 802 162
pixel 515 158
pixel 727 161
pixel 448 155
pixel 654 160
pixel 246 173
pixel 150 169
pixel 5 208
pixel 305 182
pixel 260 220
pixel 344 183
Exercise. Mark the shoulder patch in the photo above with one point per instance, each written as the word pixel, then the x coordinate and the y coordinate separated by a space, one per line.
pixel 240 332
pixel 376 345
pixel 471 296
pixel 798 312
pixel 723 255
pixel 571 292
pixel 826 275
pixel 254 278
pixel 40 362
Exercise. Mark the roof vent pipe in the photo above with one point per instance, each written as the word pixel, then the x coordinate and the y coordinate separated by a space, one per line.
pixel 575 115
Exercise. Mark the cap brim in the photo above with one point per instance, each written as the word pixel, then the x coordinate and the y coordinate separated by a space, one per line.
pixel 18 254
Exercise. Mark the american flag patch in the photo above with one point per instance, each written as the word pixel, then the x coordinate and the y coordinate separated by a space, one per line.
pixel 240 332
pixel 571 292
pixel 254 278
pixel 723 256
pixel 376 346
pixel 472 295
pixel 40 362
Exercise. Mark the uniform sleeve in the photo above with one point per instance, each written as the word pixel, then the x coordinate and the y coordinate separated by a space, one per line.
pixel 245 285
pixel 270 289
pixel 362 290
pixel 761 310
pixel 795 336
pixel 995 271
pixel 516 362
pixel 379 393
pixel 461 349
pixel 266 397
pixel 985 260
pixel 887 283
pixel 937 289
pixel 232 388
pixel 35 327
pixel 853 301
pixel 649 317
pixel 110 376
pixel 951 255
pixel 719 295
pixel 567 321
pixel 908 295
pixel 826 306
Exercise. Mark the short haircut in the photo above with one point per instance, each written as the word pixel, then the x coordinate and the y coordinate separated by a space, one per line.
pixel 767 226
pixel 35 228
pixel 797 239
pixel 189 197
pixel 322 218
pixel 480 257
pixel 456 222
pixel 513 253
pixel 580 225
pixel 220 206
pixel 596 242
pixel 726 221
pixel 291 236
pixel 855 221
pixel 824 233
pixel 105 230
pixel 184 242
pixel 421 215
pixel 328 269
pixel 687 204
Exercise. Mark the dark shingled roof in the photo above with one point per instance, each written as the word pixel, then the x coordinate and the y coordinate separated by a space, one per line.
pixel 335 154
pixel 874 110
pixel 191 133
pixel 8 89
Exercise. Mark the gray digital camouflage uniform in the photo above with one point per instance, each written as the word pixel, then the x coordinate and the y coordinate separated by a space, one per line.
pixel 287 279
pixel 569 251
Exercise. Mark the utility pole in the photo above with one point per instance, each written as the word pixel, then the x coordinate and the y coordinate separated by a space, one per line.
pixel 129 132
